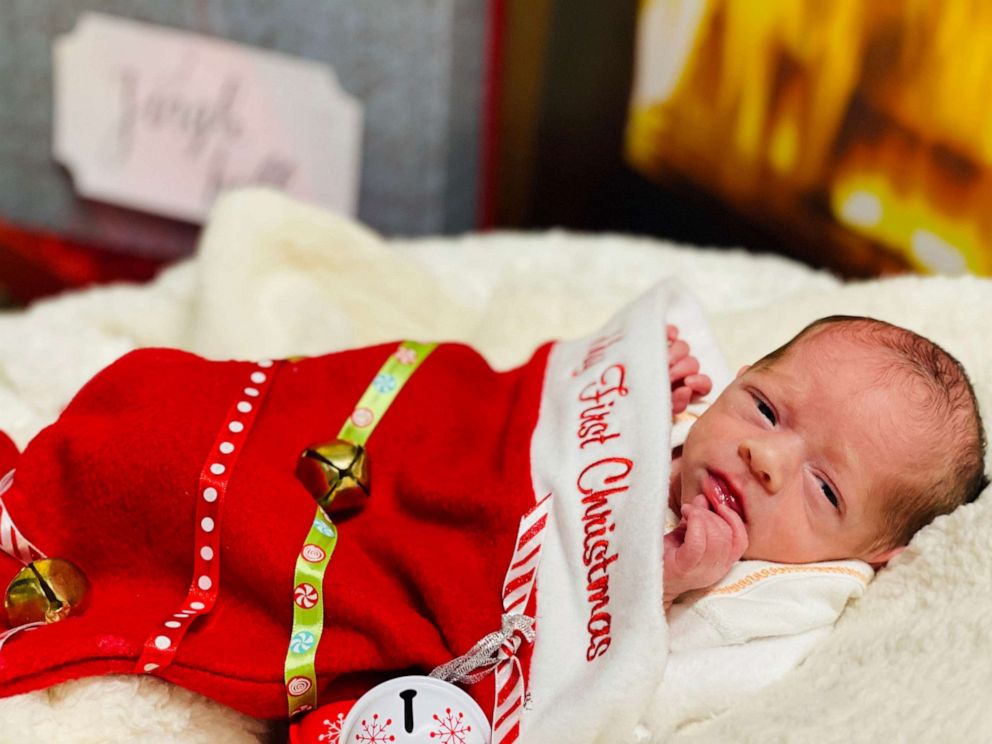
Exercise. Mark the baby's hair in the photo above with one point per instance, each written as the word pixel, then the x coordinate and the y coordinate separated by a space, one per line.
pixel 950 396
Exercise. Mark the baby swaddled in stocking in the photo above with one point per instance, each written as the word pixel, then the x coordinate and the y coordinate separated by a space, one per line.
pixel 529 503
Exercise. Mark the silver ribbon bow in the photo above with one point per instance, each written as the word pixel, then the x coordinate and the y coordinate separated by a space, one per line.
pixel 498 646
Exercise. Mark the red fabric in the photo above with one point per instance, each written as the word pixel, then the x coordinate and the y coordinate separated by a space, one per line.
pixel 322 725
pixel 8 566
pixel 8 453
pixel 35 264
pixel 416 576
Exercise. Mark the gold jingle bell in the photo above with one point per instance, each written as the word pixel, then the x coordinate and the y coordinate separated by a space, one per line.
pixel 337 474
pixel 47 590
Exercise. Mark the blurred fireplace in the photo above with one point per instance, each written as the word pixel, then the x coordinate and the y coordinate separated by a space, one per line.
pixel 861 130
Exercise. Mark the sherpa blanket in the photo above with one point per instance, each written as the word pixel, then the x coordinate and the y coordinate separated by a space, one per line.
pixel 274 278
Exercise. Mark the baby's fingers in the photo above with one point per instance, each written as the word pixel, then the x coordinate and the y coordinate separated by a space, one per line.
pixel 681 397
pixel 718 545
pixel 683 368
pixel 699 384
pixel 700 502
pixel 694 545
pixel 738 531
pixel 677 351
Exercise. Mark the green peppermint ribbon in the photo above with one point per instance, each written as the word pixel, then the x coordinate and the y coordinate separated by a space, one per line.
pixel 311 564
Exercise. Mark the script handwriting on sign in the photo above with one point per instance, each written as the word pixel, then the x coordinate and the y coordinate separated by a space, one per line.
pixel 163 120
pixel 196 120
pixel 207 129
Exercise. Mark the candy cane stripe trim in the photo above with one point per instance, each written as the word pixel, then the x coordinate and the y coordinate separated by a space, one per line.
pixel 506 690
pixel 516 603
pixel 519 581
pixel 12 542
pixel 507 724
pixel 510 736
pixel 6 536
pixel 534 529
pixel 517 589
pixel 510 688
pixel 539 514
pixel 526 559
pixel 507 713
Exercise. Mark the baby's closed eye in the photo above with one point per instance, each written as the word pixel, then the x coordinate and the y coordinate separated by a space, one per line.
pixel 829 493
pixel 765 409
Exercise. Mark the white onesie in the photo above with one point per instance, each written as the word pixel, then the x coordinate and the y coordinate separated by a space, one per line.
pixel 752 627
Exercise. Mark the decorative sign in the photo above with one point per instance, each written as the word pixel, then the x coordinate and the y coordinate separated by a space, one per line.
pixel 163 120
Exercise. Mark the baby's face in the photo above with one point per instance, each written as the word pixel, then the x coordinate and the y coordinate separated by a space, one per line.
pixel 807 446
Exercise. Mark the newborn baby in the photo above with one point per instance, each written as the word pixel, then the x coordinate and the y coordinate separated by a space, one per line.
pixel 840 444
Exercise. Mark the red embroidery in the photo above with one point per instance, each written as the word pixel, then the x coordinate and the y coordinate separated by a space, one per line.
pixel 597 482
pixel 594 425
pixel 597 351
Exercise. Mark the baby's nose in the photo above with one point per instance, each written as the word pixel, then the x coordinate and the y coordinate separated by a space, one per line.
pixel 760 463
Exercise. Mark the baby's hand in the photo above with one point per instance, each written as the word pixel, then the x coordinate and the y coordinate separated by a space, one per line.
pixel 683 371
pixel 701 550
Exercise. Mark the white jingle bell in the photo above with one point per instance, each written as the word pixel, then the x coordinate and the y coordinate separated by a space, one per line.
pixel 416 709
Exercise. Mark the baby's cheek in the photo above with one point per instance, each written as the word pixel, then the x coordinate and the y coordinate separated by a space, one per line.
pixel 693 436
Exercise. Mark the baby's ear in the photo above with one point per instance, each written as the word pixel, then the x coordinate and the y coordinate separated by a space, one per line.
pixel 881 558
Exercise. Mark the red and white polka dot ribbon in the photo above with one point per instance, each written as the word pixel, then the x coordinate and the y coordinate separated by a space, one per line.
pixel 161 647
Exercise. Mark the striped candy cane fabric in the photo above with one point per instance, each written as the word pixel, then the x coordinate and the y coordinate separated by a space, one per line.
pixel 12 542
pixel 498 650
pixel 18 547
pixel 517 589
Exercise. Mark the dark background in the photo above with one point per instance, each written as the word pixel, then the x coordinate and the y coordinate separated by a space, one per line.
pixel 566 70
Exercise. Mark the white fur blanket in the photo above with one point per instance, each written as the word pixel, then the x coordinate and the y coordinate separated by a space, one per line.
pixel 273 278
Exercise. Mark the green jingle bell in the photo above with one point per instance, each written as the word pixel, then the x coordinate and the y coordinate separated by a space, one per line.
pixel 47 590
pixel 337 474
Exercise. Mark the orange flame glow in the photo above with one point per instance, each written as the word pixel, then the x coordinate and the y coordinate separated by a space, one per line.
pixel 872 115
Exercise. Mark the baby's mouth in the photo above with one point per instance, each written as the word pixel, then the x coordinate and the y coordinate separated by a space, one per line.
pixel 721 492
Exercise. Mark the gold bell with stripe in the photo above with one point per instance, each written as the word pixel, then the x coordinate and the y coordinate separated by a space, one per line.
pixel 46 590
pixel 337 474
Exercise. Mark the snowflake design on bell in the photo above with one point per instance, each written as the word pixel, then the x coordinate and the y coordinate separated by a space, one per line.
pixel 374 731
pixel 323 528
pixel 333 733
pixel 405 355
pixel 384 383
pixel 302 642
pixel 451 729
